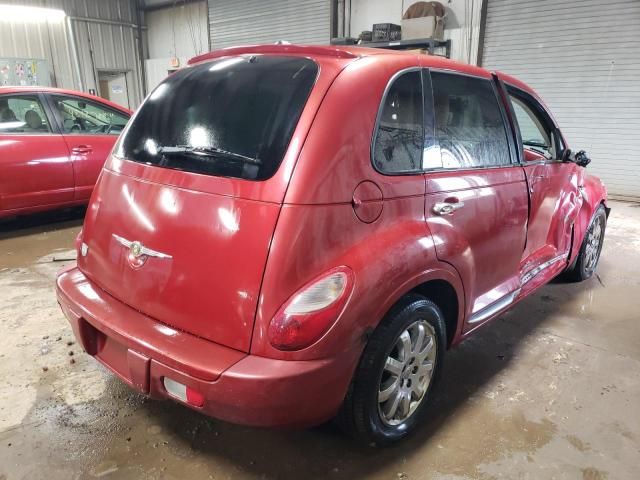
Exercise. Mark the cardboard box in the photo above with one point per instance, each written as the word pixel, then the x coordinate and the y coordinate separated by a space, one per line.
pixel 423 27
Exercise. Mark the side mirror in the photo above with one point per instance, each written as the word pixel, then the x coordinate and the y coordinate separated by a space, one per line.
pixel 579 158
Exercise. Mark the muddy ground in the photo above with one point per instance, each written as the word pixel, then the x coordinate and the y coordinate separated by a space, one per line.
pixel 550 390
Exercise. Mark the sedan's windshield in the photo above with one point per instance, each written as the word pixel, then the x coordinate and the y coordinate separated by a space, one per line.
pixel 232 117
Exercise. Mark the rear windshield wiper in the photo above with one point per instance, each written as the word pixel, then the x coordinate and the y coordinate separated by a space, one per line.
pixel 208 152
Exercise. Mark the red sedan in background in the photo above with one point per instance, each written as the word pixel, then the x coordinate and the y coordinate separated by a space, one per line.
pixel 53 144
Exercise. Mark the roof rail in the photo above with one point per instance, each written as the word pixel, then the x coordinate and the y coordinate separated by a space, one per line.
pixel 329 51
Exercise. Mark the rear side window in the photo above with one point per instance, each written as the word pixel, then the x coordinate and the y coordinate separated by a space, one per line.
pixel 22 114
pixel 399 138
pixel 233 117
pixel 469 123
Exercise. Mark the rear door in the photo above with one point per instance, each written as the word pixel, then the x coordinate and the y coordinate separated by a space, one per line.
pixel 90 129
pixel 476 200
pixel 553 185
pixel 35 169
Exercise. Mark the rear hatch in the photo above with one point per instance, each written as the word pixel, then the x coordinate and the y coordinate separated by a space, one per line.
pixel 181 220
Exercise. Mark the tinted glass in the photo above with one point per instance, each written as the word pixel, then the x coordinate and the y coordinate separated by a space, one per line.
pixel 88 118
pixel 536 135
pixel 469 124
pixel 22 114
pixel 232 117
pixel 399 138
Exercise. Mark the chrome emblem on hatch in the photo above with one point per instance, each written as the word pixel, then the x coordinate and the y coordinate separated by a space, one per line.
pixel 138 253
pixel 135 249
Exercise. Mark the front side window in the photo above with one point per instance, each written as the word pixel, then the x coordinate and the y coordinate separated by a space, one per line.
pixel 232 117
pixel 80 116
pixel 399 138
pixel 22 114
pixel 469 124
pixel 534 130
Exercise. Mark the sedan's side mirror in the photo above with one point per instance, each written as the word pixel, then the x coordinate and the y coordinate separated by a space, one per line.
pixel 579 158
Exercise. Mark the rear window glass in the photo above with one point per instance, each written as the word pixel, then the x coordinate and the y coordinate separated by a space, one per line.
pixel 469 124
pixel 399 140
pixel 233 117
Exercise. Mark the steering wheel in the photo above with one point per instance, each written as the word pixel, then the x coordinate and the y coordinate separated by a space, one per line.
pixel 75 128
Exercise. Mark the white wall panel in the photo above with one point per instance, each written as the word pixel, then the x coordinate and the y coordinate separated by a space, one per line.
pixel 583 58
pixel 180 31
pixel 234 22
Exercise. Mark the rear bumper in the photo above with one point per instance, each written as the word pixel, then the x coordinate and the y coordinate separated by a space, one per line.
pixel 237 387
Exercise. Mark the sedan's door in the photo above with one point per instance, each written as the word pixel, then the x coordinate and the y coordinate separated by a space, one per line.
pixel 554 196
pixel 476 200
pixel 35 169
pixel 90 130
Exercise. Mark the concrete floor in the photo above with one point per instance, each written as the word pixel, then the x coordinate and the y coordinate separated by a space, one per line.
pixel 550 390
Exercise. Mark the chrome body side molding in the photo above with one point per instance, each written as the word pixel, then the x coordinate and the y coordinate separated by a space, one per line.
pixel 494 307
pixel 535 271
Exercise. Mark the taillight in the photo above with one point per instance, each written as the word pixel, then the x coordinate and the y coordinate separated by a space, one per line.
pixel 308 314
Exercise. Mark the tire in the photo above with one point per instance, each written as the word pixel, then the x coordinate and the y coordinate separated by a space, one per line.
pixel 587 260
pixel 362 415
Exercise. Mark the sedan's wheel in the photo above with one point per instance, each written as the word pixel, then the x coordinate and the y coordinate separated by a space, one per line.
pixel 587 260
pixel 396 374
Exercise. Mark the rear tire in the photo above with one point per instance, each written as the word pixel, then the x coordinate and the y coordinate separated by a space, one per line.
pixel 589 254
pixel 396 375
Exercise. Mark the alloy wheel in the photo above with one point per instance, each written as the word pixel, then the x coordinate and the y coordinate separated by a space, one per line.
pixel 407 373
pixel 594 243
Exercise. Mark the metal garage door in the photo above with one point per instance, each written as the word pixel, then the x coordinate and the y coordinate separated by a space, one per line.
pixel 234 22
pixel 583 57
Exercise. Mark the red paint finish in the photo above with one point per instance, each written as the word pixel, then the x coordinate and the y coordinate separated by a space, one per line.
pixel 50 170
pixel 473 238
pixel 367 201
pixel 555 203
pixel 227 255
pixel 88 154
pixel 36 170
pixel 87 306
pixel 206 287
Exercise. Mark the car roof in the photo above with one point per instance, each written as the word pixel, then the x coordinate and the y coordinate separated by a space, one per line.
pixel 353 52
pixel 63 91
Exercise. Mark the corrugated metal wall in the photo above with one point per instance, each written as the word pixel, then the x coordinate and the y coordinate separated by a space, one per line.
pixel 583 57
pixel 247 22
pixel 48 41
pixel 100 45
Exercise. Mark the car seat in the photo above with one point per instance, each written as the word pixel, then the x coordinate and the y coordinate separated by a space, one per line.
pixel 34 121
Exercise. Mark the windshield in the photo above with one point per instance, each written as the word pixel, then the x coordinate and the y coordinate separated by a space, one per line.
pixel 232 117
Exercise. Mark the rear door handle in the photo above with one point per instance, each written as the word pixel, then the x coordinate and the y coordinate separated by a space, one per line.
pixel 446 208
pixel 80 149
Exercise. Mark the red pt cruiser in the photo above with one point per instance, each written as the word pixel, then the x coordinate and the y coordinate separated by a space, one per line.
pixel 284 234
